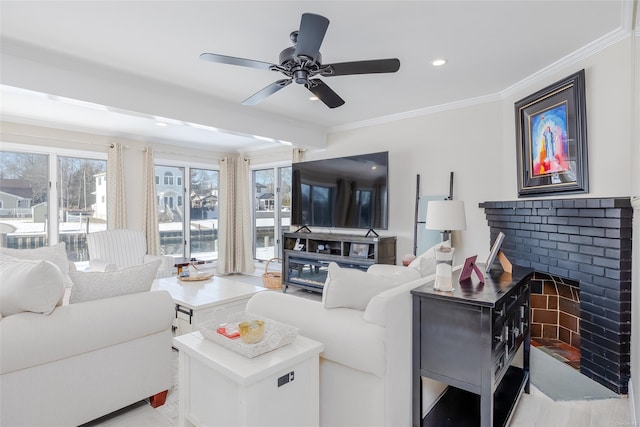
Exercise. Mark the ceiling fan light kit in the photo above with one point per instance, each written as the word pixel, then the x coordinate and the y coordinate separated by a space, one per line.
pixel 303 61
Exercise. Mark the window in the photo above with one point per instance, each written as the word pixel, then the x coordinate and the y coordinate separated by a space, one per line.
pixel 168 178
pixel 199 215
pixel 157 180
pixel 271 208
pixel 171 215
pixel 24 181
pixel 203 223
pixel 82 206
pixel 38 214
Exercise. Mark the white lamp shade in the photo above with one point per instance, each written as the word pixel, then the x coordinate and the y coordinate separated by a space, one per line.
pixel 445 215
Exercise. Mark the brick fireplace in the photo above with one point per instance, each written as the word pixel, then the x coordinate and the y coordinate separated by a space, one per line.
pixel 585 243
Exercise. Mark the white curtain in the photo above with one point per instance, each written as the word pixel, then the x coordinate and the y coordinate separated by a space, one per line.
pixel 150 220
pixel 116 195
pixel 235 254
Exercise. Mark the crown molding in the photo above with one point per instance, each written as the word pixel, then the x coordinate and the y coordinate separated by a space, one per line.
pixel 591 49
pixel 415 113
pixel 596 46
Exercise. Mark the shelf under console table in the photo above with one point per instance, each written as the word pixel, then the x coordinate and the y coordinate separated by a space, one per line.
pixel 467 339
pixel 306 256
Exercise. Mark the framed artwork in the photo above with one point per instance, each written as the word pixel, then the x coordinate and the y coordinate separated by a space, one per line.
pixel 359 250
pixel 551 134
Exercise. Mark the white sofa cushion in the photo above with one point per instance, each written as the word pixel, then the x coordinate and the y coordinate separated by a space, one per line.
pixel 29 285
pixel 352 288
pixel 57 254
pixel 396 273
pixel 96 285
pixel 76 329
pixel 347 339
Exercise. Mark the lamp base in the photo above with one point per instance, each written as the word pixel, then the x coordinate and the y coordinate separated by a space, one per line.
pixel 444 262
pixel 443 283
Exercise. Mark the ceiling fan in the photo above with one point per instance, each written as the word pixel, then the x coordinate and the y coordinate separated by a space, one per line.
pixel 302 61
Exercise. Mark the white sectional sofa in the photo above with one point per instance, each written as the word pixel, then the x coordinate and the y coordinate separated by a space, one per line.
pixel 67 364
pixel 365 369
pixel 84 360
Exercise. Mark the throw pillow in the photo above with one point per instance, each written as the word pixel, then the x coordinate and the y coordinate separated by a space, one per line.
pixel 352 288
pixel 28 285
pixel 57 254
pixel 97 285
pixel 395 273
pixel 426 262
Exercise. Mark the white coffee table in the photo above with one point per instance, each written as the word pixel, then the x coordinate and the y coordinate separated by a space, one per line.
pixel 197 302
pixel 220 388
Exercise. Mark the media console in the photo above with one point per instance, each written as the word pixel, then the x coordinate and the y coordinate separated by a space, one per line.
pixel 307 255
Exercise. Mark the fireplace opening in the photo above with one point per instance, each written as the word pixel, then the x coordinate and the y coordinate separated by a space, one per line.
pixel 555 317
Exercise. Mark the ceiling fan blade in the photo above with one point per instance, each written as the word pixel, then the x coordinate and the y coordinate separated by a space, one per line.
pixel 267 91
pixel 324 93
pixel 232 60
pixel 312 30
pixel 362 67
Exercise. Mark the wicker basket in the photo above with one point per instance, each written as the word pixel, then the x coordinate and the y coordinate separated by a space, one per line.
pixel 272 279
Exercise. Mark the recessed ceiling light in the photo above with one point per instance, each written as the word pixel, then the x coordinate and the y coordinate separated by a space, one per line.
pixel 313 98
pixel 161 124
pixel 439 62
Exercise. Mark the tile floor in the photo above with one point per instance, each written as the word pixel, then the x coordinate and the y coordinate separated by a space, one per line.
pixel 534 410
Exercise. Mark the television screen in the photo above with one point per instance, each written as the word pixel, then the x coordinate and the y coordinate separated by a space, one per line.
pixel 345 192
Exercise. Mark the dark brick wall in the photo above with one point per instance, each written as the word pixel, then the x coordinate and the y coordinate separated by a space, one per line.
pixel 589 241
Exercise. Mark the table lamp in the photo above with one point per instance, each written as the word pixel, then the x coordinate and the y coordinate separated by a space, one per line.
pixel 445 215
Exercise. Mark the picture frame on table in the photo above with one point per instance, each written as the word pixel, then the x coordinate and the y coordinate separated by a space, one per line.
pixel 551 134
pixel 360 250
pixel 494 251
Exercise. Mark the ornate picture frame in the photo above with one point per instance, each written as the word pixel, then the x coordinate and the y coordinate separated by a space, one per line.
pixel 551 134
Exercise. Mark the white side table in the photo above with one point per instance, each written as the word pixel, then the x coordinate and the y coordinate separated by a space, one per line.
pixel 219 387
pixel 197 302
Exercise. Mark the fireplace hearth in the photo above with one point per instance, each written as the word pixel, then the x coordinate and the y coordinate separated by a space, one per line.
pixel 585 243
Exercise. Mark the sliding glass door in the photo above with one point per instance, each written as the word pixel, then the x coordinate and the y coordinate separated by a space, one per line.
pixel 271 210
pixel 48 197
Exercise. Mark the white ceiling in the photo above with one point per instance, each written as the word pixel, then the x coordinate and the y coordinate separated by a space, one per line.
pixel 490 46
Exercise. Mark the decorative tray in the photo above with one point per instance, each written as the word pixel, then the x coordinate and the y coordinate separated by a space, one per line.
pixel 276 334
pixel 196 278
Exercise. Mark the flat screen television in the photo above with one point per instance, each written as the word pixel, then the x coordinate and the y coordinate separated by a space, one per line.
pixel 344 192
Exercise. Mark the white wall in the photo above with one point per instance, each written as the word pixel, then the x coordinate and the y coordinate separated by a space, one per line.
pixel 478 144
pixel 432 146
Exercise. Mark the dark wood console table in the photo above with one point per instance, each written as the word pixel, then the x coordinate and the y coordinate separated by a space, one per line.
pixel 467 339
